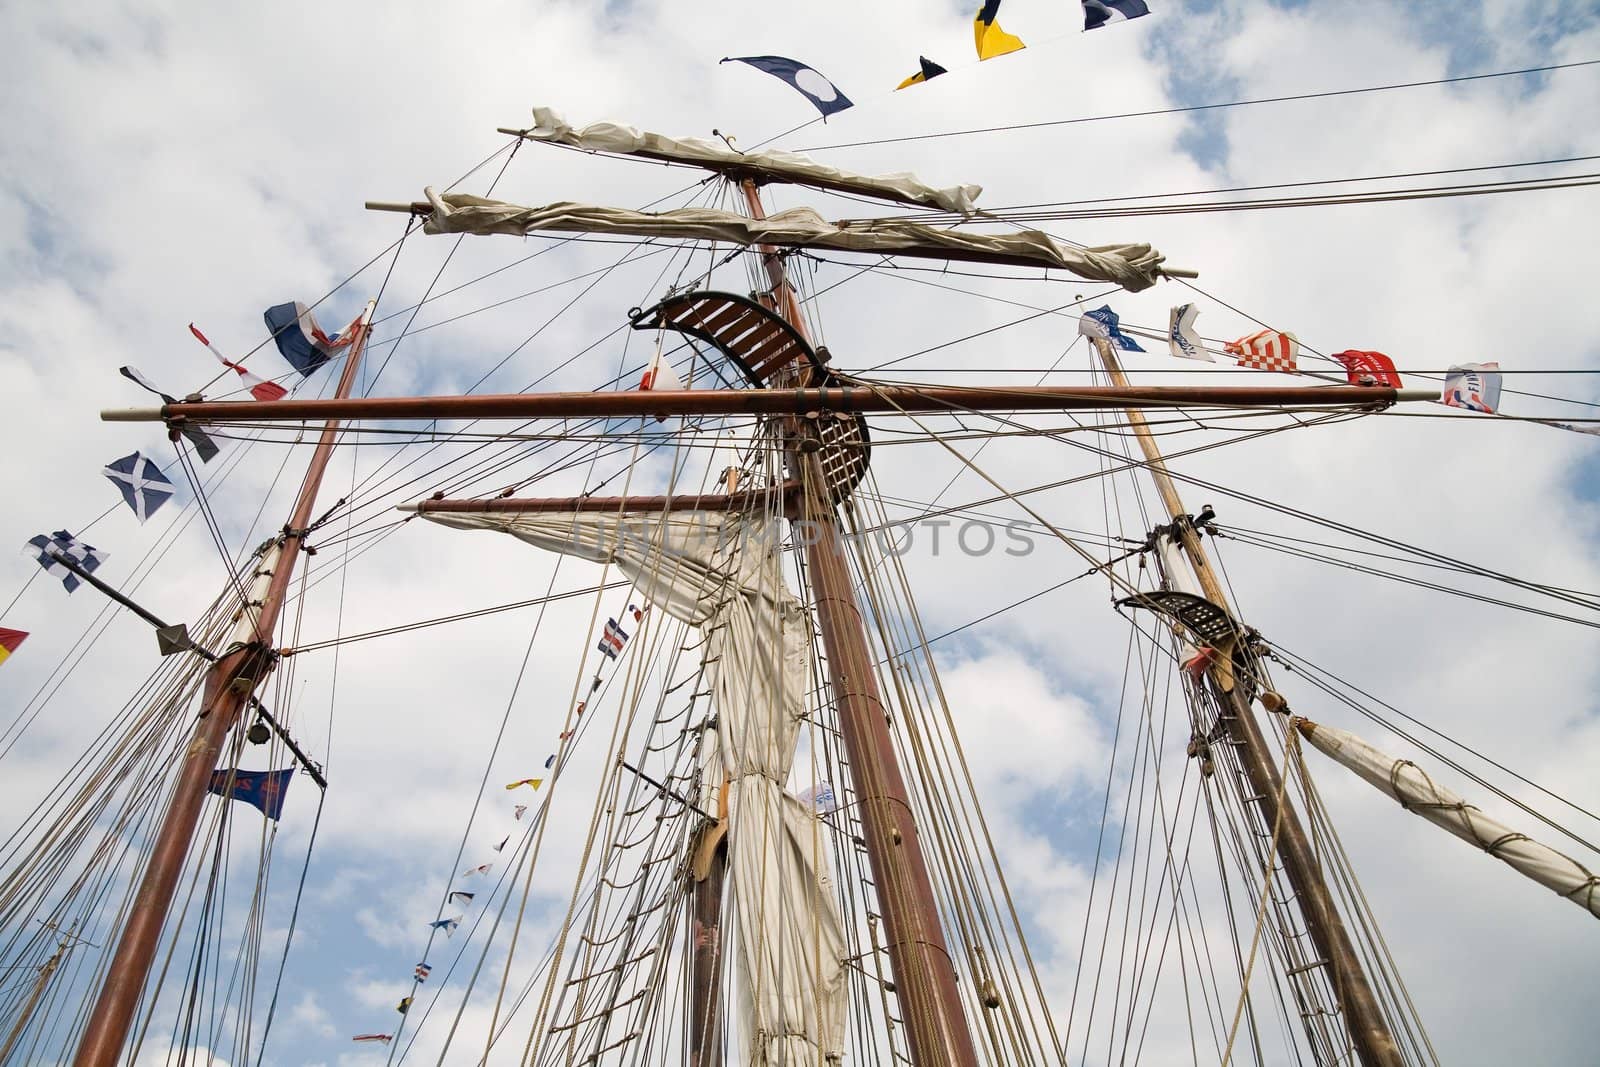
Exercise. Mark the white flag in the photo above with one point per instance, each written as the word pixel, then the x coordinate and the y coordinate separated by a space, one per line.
pixel 1182 340
pixel 660 375
pixel 1474 386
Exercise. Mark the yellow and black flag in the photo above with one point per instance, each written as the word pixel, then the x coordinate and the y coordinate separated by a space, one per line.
pixel 989 37
pixel 929 71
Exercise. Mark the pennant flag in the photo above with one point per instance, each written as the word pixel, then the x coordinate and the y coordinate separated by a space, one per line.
pixel 422 971
pixel 1474 386
pixel 1202 660
pixel 134 375
pixel 566 735
pixel 259 388
pixel 612 641
pixel 929 71
pixel 204 446
pixel 1266 350
pixel 535 782
pixel 819 797
pixel 459 897
pixel 502 843
pixel 522 809
pixel 140 482
pixel 549 761
pixel 594 687
pixel 45 549
pixel 261 789
pixel 987 35
pixel 1368 368
pixel 1182 340
pixel 404 1006
pixel 1101 324
pixel 659 375
pixel 1097 13
pixel 823 94
pixel 582 705
pixel 299 339
pixel 482 868
pixel 638 616
pixel 10 641
pixel 381 1038
pixel 447 925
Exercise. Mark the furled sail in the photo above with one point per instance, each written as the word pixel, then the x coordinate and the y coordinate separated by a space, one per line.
pixel 1417 793
pixel 766 163
pixel 1132 266
pixel 719 572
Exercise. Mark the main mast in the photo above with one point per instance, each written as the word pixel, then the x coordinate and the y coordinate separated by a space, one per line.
pixel 924 974
pixel 229 685
pixel 1369 1029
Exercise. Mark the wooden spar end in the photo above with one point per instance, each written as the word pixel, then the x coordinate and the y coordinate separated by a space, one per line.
pixel 415 207
pixel 131 415
pixel 1178 272
pixel 509 132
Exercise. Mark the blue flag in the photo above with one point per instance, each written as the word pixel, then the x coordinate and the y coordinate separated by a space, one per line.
pixel 822 93
pixel 299 339
pixel 140 482
pixel 61 543
pixel 1097 13
pixel 1102 323
pixel 261 789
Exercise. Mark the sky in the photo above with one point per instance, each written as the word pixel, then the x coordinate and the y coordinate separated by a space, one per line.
pixel 166 164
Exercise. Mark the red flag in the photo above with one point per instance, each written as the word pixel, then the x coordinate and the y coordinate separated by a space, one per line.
pixel 1369 368
pixel 259 388
pixel 10 641
pixel 1265 350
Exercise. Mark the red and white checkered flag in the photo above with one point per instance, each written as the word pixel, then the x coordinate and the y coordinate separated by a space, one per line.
pixel 1266 350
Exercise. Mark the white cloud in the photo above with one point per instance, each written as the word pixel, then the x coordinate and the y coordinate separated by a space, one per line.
pixel 169 164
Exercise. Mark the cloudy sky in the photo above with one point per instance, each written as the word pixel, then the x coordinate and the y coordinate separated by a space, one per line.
pixel 170 163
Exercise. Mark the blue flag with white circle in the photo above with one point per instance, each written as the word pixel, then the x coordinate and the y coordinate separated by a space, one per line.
pixel 822 93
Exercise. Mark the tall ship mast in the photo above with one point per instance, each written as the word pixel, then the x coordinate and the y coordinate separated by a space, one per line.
pixel 708 783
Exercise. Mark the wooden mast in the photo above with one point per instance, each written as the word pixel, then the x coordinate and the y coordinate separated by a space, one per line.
pixel 1369 1029
pixel 39 986
pixel 229 685
pixel 925 977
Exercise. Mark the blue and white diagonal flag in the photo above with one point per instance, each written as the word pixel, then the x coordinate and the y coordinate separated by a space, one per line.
pixel 140 482
pixel 1182 340
pixel 1097 13
pixel 1102 323
pixel 823 94
pixel 62 543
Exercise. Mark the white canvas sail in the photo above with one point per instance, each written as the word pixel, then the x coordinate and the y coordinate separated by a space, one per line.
pixel 1133 266
pixel 550 126
pixel 720 573
pixel 1420 795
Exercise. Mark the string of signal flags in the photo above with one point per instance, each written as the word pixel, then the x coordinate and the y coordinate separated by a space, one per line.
pixel 988 38
pixel 613 642
pixel 1469 386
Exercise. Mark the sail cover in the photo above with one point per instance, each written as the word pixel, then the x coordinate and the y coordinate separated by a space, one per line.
pixel 550 126
pixel 1418 794
pixel 1132 266
pixel 720 573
